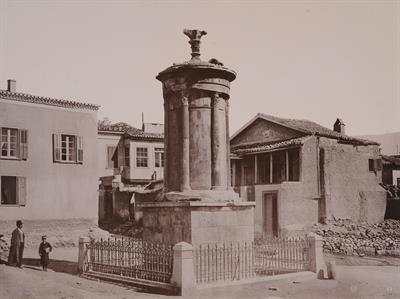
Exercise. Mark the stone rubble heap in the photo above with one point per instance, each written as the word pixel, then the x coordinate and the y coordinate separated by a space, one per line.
pixel 346 237
pixel 3 248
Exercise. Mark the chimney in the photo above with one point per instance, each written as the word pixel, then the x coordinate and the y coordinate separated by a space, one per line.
pixel 11 85
pixel 338 126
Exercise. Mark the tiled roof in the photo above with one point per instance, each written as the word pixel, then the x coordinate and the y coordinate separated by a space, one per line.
pixel 28 98
pixel 391 160
pixel 312 128
pixel 260 147
pixel 119 127
pixel 129 131
pixel 144 135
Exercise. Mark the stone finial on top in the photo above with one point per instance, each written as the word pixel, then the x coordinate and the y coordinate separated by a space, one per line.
pixel 195 36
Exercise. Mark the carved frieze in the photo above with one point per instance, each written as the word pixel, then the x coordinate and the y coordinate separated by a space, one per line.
pixel 203 102
pixel 174 85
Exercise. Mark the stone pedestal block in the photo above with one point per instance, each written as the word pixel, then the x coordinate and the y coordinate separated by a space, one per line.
pixel 198 222
pixel 183 269
pixel 317 261
pixel 83 243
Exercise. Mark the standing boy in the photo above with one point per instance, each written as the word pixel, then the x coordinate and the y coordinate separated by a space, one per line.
pixel 44 250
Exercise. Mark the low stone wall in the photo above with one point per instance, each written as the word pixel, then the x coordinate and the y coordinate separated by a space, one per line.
pixel 346 237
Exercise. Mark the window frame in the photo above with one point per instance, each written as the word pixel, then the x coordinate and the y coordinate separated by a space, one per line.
pixel 20 192
pixel 70 148
pixel 110 160
pixel 375 165
pixel 21 143
pixel 127 155
pixel 77 148
pixel 142 159
pixel 159 157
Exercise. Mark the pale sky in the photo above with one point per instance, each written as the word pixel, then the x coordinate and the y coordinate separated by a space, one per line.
pixel 315 60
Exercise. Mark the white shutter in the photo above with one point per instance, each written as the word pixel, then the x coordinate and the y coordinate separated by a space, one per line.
pixel 21 191
pixel 80 149
pixel 23 144
pixel 56 147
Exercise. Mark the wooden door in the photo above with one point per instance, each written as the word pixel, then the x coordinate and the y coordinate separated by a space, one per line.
pixel 108 204
pixel 270 214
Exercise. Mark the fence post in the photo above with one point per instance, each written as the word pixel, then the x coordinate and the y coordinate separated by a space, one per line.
pixel 83 242
pixel 183 268
pixel 317 262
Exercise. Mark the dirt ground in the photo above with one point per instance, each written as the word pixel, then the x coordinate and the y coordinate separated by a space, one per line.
pixel 358 278
pixel 354 281
pixel 60 233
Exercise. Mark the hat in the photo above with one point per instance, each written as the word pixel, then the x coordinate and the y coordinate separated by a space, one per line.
pixel 44 237
pixel 19 222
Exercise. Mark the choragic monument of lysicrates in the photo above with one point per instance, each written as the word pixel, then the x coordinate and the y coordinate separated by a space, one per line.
pixel 198 204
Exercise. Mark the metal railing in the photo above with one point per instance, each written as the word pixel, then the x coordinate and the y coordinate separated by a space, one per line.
pixel 281 255
pixel 225 262
pixel 129 257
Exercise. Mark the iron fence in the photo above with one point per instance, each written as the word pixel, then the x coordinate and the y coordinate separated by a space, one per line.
pixel 129 257
pixel 224 262
pixel 281 255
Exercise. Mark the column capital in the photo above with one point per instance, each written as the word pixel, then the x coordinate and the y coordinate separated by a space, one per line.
pixel 185 100
pixel 217 101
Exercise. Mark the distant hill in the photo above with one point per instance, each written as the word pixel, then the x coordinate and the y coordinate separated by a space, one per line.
pixel 390 142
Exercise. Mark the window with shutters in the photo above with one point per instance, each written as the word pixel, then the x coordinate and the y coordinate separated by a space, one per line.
pixel 375 165
pixel 67 148
pixel 142 157
pixel 13 143
pixel 13 190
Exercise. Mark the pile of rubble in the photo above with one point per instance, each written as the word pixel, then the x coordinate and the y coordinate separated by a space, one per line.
pixel 346 237
pixel 3 248
pixel 129 229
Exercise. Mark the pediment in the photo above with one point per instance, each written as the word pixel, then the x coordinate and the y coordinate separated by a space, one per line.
pixel 261 130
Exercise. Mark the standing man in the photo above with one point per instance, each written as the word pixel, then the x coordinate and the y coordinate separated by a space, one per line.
pixel 17 246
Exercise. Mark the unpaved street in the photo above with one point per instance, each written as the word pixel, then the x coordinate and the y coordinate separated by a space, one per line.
pixel 374 282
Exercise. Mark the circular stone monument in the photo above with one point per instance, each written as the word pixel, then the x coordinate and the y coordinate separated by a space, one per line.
pixel 198 204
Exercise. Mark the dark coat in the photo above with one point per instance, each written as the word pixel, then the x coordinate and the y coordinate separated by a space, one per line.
pixel 17 248
pixel 44 250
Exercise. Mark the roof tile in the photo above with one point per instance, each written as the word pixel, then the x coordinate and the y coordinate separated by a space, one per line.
pixel 312 128
pixel 28 98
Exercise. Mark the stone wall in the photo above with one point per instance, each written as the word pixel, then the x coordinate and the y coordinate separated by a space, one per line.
pixel 121 201
pixel 222 225
pixel 197 222
pixel 352 191
pixel 167 224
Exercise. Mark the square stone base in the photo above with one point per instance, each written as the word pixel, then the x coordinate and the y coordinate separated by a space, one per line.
pixel 198 222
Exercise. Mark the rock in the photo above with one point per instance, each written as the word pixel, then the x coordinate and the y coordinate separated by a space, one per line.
pixel 343 236
pixel 96 233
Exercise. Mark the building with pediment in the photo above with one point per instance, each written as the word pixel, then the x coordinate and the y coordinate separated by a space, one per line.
pixel 299 172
